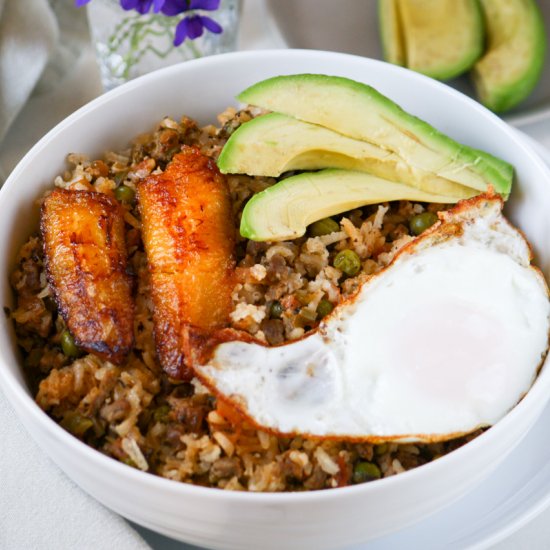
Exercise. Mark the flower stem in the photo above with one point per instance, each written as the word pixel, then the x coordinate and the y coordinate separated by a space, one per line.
pixel 137 35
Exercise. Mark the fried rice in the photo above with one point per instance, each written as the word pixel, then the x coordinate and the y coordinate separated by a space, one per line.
pixel 134 413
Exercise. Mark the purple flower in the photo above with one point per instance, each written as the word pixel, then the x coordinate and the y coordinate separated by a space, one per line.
pixel 193 26
pixel 141 6
pixel 174 7
pixel 208 5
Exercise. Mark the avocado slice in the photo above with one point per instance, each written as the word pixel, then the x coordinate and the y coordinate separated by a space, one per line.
pixel 359 111
pixel 274 143
pixel 390 32
pixel 439 38
pixel 284 210
pixel 513 62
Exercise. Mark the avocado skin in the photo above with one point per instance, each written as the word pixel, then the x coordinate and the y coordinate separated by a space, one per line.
pixel 305 96
pixel 503 96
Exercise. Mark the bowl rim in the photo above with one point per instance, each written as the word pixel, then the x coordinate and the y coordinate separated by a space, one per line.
pixel 18 395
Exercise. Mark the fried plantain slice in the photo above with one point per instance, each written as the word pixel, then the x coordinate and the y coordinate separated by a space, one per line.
pixel 86 260
pixel 189 237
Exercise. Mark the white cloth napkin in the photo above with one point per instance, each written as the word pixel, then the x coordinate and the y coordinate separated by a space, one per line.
pixel 28 33
pixel 47 71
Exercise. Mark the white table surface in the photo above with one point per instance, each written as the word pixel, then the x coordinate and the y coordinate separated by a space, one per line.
pixel 258 31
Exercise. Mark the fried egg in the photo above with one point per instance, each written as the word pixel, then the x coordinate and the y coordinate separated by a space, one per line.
pixel 445 340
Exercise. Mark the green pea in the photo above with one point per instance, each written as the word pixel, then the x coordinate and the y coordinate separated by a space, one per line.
pixel 324 308
pixel 70 349
pixel 348 262
pixel 161 413
pixel 419 223
pixel 325 226
pixel 276 309
pixel 123 193
pixel 381 449
pixel 76 423
pixel 366 471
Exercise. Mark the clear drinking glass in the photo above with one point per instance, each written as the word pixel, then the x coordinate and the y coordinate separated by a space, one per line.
pixel 129 44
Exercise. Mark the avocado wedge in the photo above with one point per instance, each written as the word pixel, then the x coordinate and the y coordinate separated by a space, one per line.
pixel 393 48
pixel 272 144
pixel 358 111
pixel 439 38
pixel 513 62
pixel 284 210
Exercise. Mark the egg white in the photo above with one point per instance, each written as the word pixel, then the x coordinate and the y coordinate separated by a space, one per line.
pixel 445 340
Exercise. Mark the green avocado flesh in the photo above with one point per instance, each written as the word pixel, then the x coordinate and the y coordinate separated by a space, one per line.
pixel 439 38
pixel 390 32
pixel 284 210
pixel 360 112
pixel 516 46
pixel 274 143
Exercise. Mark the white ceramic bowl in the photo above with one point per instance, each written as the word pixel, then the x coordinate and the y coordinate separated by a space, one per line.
pixel 210 517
